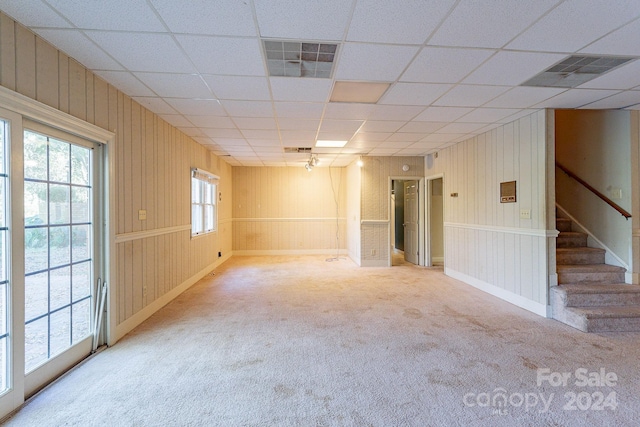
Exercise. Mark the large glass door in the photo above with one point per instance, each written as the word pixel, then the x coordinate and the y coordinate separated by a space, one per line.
pixel 61 260
pixel 4 260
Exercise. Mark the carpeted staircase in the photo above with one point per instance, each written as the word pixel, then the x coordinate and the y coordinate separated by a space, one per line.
pixel 591 295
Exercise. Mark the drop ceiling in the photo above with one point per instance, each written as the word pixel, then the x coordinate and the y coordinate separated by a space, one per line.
pixel 454 69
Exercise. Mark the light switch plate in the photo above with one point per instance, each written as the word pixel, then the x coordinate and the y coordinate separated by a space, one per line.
pixel 142 215
pixel 525 213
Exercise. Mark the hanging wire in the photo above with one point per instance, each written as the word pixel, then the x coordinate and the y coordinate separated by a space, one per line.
pixel 335 199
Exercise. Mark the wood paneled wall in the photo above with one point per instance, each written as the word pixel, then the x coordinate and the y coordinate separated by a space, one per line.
pixel 375 198
pixel 353 212
pixel 152 163
pixel 288 210
pixel 487 243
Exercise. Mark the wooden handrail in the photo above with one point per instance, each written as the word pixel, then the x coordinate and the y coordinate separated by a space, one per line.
pixel 607 200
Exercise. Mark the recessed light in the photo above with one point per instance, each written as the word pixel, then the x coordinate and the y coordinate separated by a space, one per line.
pixel 330 144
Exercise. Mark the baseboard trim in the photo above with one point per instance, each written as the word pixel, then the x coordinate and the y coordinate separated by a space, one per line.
pixel 327 252
pixel 518 300
pixel 128 325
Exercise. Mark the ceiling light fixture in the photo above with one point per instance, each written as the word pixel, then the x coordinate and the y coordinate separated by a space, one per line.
pixel 311 163
pixel 330 144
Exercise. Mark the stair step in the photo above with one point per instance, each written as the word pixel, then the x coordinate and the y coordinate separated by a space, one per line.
pixel 580 273
pixel 581 255
pixel 571 239
pixel 597 295
pixel 604 319
pixel 563 224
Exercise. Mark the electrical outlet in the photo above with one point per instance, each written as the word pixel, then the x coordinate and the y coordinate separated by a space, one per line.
pixel 525 213
pixel 144 291
pixel 142 215
pixel 373 252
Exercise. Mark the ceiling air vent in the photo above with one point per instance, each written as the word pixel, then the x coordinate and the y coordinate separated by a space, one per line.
pixel 289 150
pixel 299 59
pixel 576 70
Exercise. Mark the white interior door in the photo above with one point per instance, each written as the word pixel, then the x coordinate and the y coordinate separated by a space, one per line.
pixel 411 215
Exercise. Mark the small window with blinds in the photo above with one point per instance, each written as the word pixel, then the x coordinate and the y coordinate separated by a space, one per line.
pixel 204 190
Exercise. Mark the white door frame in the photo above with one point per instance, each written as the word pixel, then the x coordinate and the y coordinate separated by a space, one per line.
pixel 24 107
pixel 421 217
pixel 427 207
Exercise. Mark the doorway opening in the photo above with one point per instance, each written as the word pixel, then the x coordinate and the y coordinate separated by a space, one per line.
pixel 435 222
pixel 405 222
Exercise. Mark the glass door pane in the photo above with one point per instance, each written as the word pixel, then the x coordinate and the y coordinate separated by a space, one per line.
pixel 59 267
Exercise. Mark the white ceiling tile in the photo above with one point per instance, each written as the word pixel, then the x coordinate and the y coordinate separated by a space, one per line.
pixel 425 145
pixel 412 151
pixel 33 13
pixel 358 142
pixel 382 126
pixel 441 137
pixel 396 144
pixel 521 113
pixel 301 136
pixel 488 24
pixel 372 136
pixel 255 122
pixel 523 97
pixel 298 124
pixel 299 89
pixel 329 125
pixel 176 120
pixel 122 15
pixel 304 110
pixel 469 95
pixel 620 100
pixel 223 133
pixel 239 87
pixel 360 61
pixel 625 77
pixel 224 55
pixel 267 149
pixel 294 19
pixel 442 114
pixel 155 104
pixel 574 24
pixel 634 107
pixel 232 143
pixel 444 65
pixel 620 42
pixel 488 115
pixel 176 85
pixel 260 134
pixel 512 68
pixel 574 98
pixel 414 93
pixel 211 122
pixel 423 127
pixel 394 112
pixel 197 107
pixel 335 136
pixel 459 127
pixel 406 136
pixel 248 108
pixel 222 17
pixel 340 110
pixel 143 51
pixel 405 22
pixel 383 151
pixel 126 82
pixel 75 44
pixel 264 142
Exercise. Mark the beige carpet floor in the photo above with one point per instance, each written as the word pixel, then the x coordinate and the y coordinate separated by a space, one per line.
pixel 298 341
